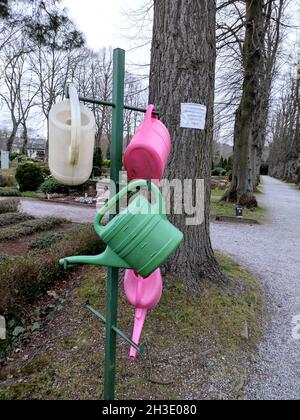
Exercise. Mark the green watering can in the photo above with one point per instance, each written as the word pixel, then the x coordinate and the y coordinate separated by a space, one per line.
pixel 139 238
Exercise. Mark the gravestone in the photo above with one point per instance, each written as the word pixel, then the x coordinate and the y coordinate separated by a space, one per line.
pixel 4 159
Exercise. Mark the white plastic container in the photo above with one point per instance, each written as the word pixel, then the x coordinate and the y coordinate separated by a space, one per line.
pixel 72 129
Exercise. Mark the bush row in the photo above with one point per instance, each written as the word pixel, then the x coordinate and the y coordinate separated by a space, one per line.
pixel 7 219
pixel 29 227
pixel 50 239
pixel 24 279
pixel 9 192
pixel 9 206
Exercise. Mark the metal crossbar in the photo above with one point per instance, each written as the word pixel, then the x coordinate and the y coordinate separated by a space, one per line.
pixel 102 318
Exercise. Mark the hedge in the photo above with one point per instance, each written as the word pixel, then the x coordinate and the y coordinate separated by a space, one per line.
pixel 29 227
pixel 7 219
pixel 24 279
pixel 9 206
pixel 9 192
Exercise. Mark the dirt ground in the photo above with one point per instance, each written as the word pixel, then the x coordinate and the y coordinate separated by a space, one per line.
pixel 20 246
pixel 195 345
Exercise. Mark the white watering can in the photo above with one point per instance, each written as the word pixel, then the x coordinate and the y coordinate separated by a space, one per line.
pixel 72 129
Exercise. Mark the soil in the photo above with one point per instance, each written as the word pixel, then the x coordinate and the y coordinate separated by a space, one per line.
pixel 20 246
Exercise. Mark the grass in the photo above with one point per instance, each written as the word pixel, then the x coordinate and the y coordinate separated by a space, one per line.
pixel 14 192
pixel 224 209
pixel 30 227
pixel 229 210
pixel 29 194
pixel 217 193
pixel 194 344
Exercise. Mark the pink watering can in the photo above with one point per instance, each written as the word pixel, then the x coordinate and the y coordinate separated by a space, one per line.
pixel 147 155
pixel 144 294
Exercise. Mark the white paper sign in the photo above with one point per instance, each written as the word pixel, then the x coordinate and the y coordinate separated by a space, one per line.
pixel 193 116
pixel 4 160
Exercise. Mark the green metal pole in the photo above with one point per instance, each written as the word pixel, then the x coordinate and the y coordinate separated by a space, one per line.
pixel 113 273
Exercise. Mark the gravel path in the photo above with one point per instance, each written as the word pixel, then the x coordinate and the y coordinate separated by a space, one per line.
pixel 76 214
pixel 272 251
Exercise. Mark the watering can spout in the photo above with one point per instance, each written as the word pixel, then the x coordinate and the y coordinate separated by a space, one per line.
pixel 108 259
pixel 140 318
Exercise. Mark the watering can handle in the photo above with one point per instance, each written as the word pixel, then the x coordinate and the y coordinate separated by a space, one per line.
pixel 75 124
pixel 148 118
pixel 160 207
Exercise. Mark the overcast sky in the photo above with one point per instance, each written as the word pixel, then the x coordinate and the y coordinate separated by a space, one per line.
pixel 108 23
pixel 111 24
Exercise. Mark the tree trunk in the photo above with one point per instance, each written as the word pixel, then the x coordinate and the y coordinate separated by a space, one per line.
pixel 183 70
pixel 284 160
pixel 11 138
pixel 242 187
pixel 270 40
pixel 25 139
pixel 260 132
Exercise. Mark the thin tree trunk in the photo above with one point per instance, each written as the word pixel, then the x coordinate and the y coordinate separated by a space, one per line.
pixel 11 139
pixel 242 187
pixel 25 139
pixel 183 70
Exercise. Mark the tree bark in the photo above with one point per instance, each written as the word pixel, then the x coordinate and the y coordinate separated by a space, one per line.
pixel 24 138
pixel 242 187
pixel 270 41
pixel 11 139
pixel 284 159
pixel 183 70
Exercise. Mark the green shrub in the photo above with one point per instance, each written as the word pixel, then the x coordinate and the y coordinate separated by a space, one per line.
pixel 29 176
pixel 26 159
pixel 45 169
pixel 106 164
pixel 51 186
pixel 9 192
pixel 7 219
pixel 13 156
pixel 30 227
pixel 50 239
pixel 9 206
pixel 23 279
pixel 219 172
